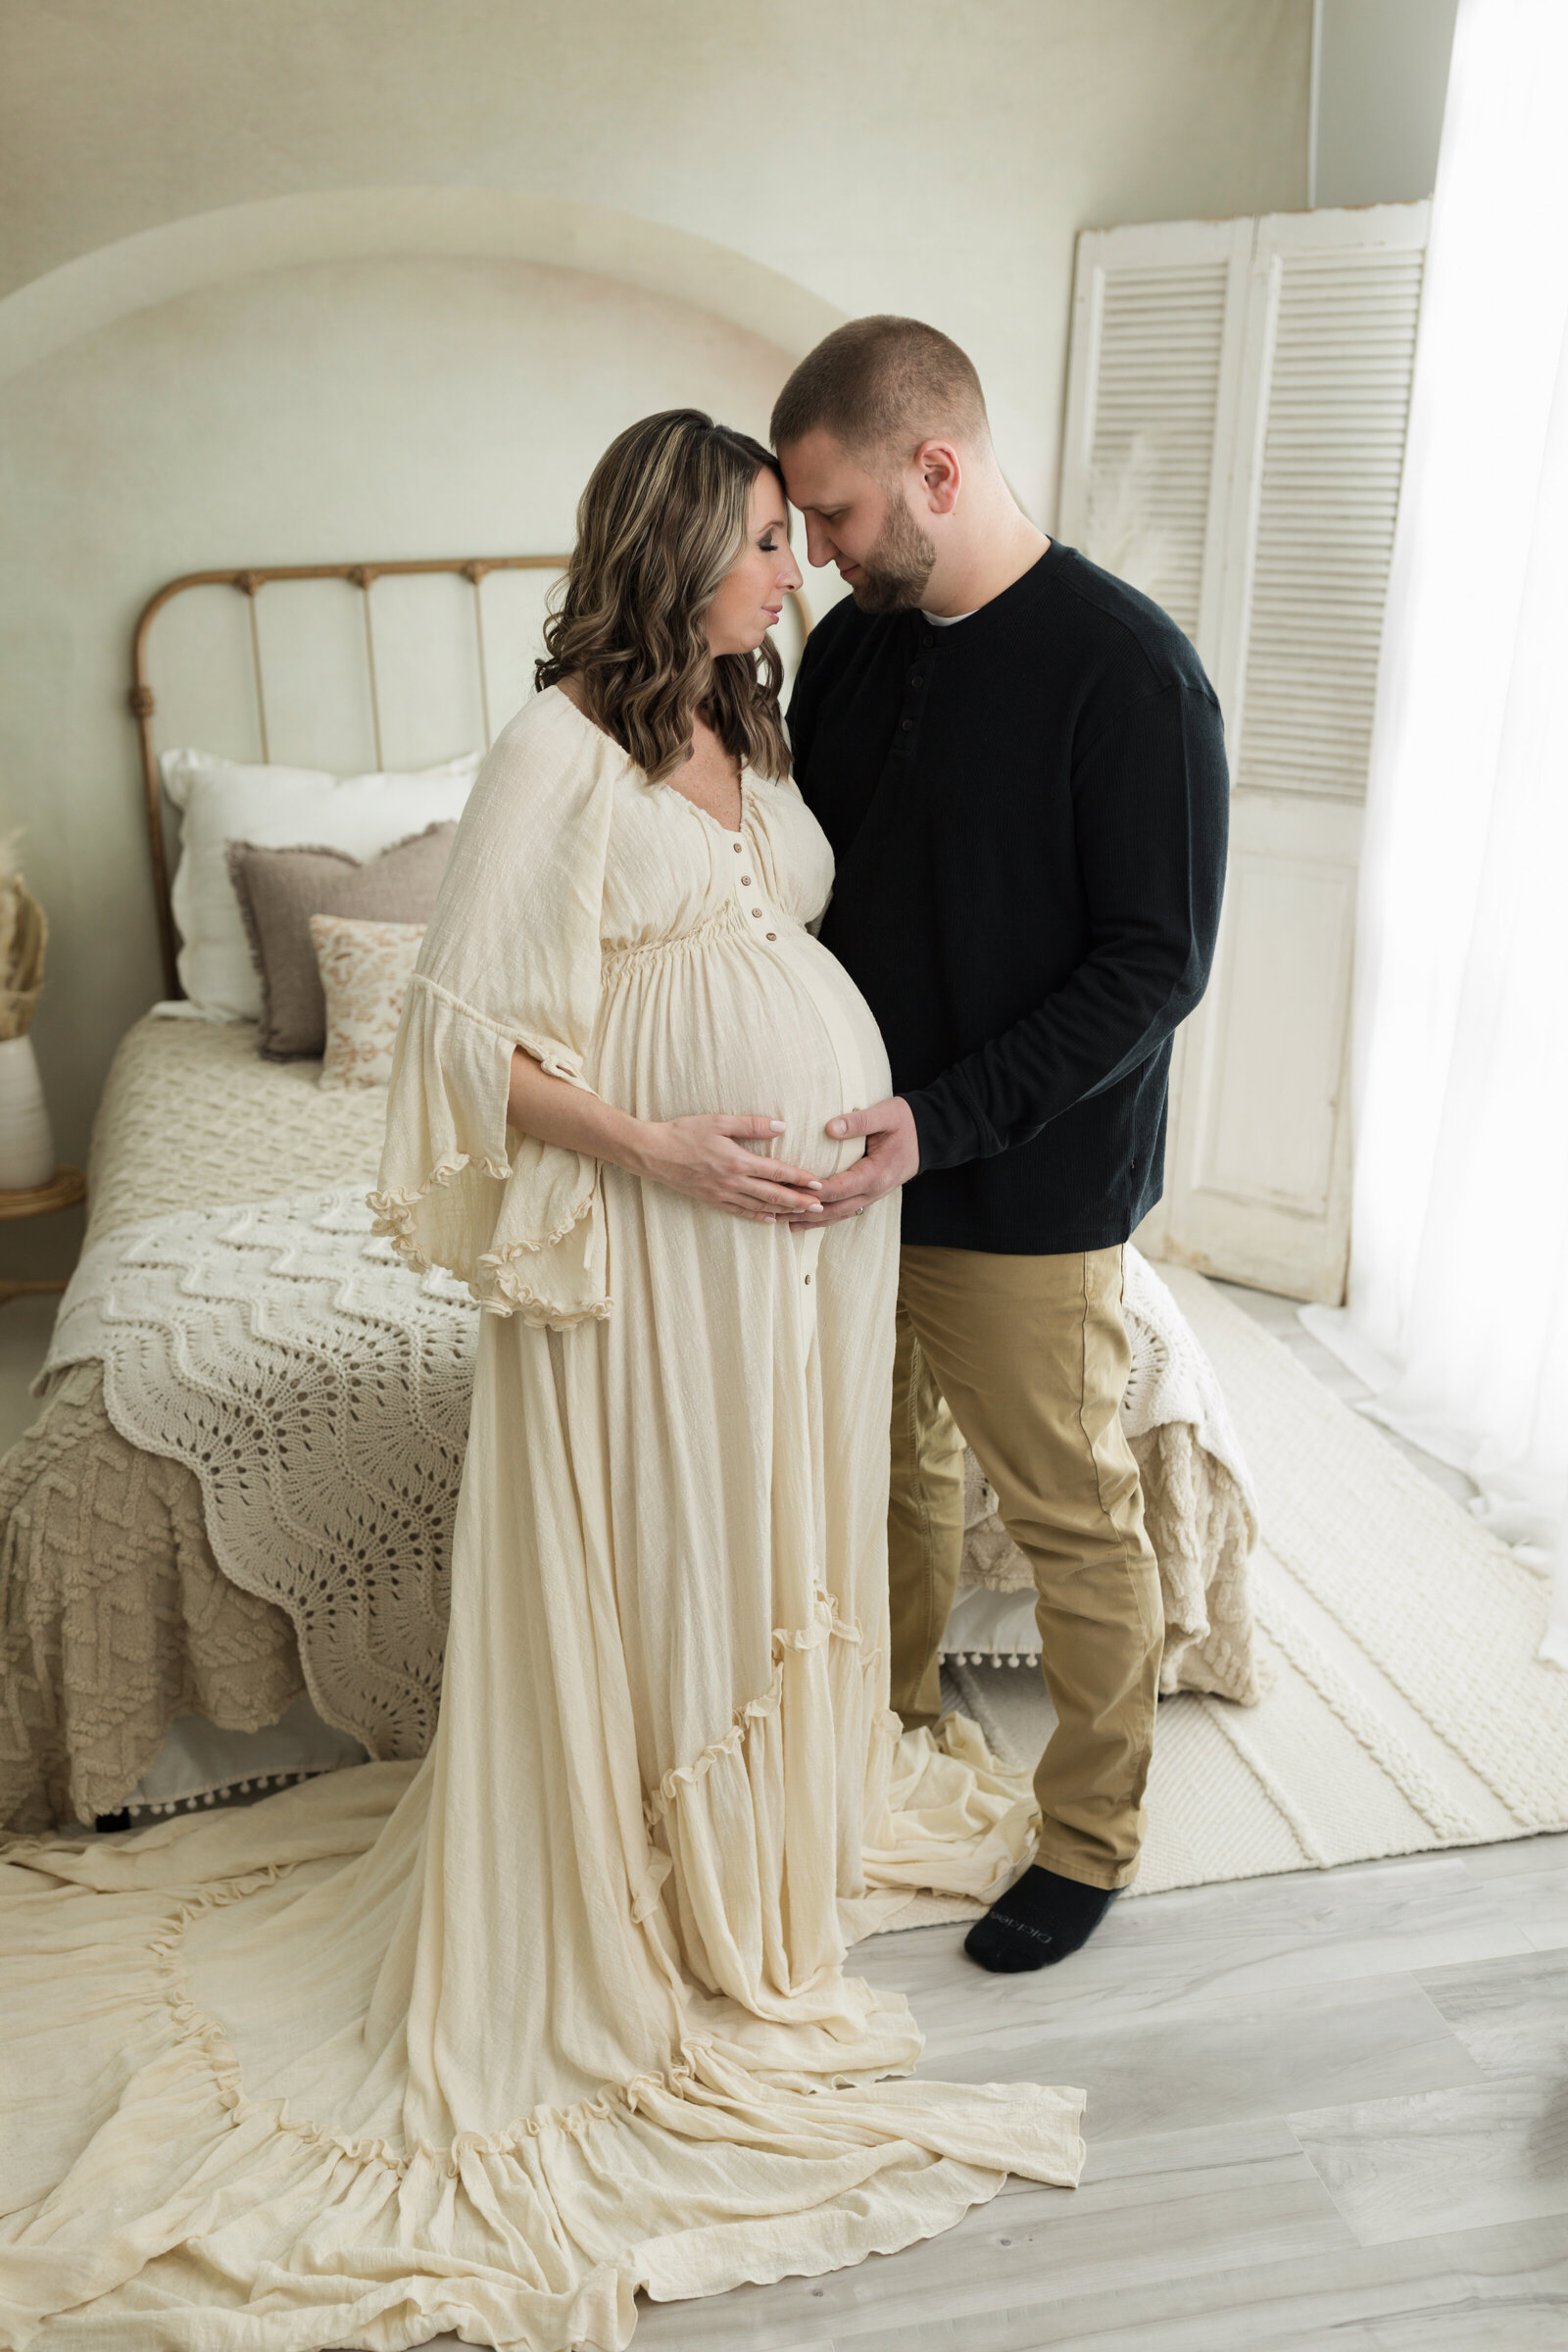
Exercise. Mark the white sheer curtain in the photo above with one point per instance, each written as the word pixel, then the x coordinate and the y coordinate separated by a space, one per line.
pixel 1458 1296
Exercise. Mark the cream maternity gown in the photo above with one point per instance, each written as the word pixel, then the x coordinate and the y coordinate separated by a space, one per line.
pixel 492 2042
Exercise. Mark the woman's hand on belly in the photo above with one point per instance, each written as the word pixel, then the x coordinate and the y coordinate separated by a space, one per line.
pixel 705 1156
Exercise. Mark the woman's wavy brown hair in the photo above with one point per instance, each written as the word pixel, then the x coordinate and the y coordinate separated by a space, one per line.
pixel 663 517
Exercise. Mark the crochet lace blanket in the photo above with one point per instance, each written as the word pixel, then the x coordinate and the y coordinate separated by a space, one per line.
pixel 114 1618
pixel 319 1392
pixel 1171 1377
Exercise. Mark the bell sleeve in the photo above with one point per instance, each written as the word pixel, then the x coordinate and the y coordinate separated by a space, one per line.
pixel 511 958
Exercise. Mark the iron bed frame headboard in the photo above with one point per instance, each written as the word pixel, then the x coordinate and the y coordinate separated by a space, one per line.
pixel 249 582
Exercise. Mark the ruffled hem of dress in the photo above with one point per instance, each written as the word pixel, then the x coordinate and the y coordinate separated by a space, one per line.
pixel 935 1824
pixel 826 1625
pixel 783 2137
pixel 499 2236
pixel 933 1815
pixel 394 1209
pixel 532 1305
pixel 200 2030
pixel 395 1212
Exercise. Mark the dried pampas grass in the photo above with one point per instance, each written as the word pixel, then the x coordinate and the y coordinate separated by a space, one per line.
pixel 1118 535
pixel 24 936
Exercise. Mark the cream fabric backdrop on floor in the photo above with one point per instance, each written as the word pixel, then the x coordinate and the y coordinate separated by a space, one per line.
pixel 1459 1293
pixel 491 2043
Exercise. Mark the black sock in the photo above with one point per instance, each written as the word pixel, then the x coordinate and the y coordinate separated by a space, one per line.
pixel 1041 1918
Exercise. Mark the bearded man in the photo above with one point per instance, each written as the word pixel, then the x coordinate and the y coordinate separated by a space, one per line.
pixel 1020 765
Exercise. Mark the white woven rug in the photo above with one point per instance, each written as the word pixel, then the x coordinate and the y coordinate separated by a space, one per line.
pixel 1408 1710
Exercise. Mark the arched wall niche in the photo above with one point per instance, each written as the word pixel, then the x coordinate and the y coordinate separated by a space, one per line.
pixel 155 266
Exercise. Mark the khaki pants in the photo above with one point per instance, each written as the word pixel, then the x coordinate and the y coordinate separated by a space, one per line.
pixel 1028 1358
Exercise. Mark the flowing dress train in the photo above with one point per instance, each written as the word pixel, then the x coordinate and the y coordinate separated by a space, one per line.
pixel 493 2043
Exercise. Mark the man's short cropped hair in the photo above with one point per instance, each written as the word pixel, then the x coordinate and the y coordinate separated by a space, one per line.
pixel 881 386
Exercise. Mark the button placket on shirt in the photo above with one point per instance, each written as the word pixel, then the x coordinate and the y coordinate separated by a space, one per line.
pixel 746 889
pixel 916 681
pixel 919 657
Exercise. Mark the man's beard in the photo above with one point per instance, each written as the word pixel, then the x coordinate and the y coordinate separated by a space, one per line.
pixel 898 565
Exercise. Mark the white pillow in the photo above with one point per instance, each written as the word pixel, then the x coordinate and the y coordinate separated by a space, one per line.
pixel 279 809
pixel 366 969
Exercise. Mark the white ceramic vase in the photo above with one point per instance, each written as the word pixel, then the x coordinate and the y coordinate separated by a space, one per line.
pixel 26 1139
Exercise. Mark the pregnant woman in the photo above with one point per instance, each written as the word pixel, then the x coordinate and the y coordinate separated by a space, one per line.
pixel 561 2015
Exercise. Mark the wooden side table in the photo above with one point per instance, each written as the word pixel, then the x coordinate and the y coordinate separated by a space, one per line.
pixel 65 1188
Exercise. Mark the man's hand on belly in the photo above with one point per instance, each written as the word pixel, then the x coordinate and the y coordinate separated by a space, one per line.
pixel 891 1158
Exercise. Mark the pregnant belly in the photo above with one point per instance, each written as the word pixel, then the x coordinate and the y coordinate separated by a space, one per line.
pixel 781 1033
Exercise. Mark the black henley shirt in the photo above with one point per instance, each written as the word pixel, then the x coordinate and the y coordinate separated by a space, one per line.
pixel 1028 811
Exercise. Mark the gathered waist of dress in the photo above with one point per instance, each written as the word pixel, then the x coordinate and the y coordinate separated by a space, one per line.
pixel 679 943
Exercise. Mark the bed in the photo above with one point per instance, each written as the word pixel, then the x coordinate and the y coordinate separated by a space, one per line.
pixel 148 1666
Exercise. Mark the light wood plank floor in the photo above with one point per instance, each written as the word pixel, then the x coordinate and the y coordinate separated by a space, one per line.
pixel 1327 2110
pixel 1324 2110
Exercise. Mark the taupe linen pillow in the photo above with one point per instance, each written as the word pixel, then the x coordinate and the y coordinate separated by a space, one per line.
pixel 279 890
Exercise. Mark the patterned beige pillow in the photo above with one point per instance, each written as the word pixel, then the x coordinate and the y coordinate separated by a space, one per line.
pixel 365 970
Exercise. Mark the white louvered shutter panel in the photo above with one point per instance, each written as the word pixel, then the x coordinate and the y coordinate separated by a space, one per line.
pixel 1331 331
pixel 1150 403
pixel 1236 420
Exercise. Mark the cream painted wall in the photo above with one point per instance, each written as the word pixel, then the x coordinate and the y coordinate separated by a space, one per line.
pixel 1382 75
pixel 936 155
